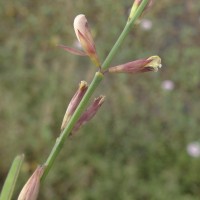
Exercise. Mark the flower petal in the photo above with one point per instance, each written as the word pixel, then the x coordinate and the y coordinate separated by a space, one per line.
pixel 74 103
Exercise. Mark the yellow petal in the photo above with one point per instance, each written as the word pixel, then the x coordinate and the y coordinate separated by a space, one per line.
pixel 155 63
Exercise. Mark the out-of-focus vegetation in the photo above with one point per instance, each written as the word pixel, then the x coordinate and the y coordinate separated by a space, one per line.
pixel 136 147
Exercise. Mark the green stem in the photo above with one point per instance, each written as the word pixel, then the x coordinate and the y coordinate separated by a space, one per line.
pixel 95 82
pixel 61 139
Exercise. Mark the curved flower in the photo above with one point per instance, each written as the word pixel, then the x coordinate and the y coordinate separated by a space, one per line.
pixel 138 66
pixel 84 36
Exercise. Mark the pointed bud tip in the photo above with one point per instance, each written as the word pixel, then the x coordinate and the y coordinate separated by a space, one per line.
pixel 101 99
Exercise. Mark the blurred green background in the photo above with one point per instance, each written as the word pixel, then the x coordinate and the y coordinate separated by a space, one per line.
pixel 144 142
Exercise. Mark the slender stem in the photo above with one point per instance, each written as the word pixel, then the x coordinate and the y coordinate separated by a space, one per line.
pixel 95 82
pixel 61 139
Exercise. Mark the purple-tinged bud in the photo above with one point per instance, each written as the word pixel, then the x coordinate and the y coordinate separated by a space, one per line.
pixel 84 36
pixel 138 66
pixel 89 113
pixel 31 188
pixel 130 67
pixel 83 86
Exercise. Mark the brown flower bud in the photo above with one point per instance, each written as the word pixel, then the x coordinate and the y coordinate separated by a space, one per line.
pixel 84 36
pixel 31 188
pixel 142 65
pixel 74 103
pixel 89 113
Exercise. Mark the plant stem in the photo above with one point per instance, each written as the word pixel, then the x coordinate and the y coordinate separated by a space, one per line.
pixel 81 107
pixel 95 82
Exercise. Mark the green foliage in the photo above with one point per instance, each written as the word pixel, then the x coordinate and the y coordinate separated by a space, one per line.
pixel 11 178
pixel 135 148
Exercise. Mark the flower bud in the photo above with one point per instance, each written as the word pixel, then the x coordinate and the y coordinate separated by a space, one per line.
pixel 31 188
pixel 142 65
pixel 74 103
pixel 84 36
pixel 89 113
pixel 135 6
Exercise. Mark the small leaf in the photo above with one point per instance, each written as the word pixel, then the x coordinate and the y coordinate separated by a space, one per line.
pixel 11 178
